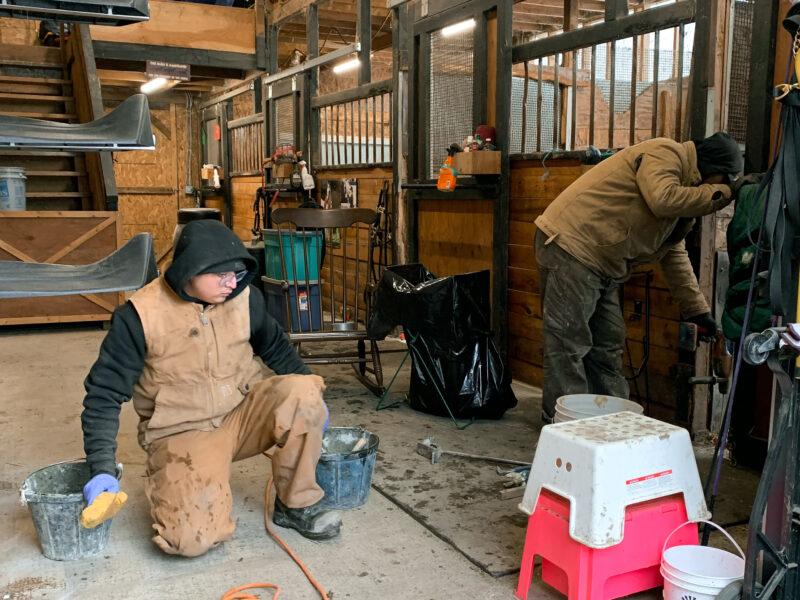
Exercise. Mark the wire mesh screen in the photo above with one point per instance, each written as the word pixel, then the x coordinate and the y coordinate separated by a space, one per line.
pixel 451 93
pixel 284 117
pixel 532 141
pixel 740 69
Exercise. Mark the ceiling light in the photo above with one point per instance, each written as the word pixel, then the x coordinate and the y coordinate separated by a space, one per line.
pixel 458 27
pixel 346 66
pixel 153 85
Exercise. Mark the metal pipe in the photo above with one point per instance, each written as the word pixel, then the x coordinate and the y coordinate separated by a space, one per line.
pixel 634 61
pixel 592 94
pixel 524 107
pixel 612 79
pixel 656 52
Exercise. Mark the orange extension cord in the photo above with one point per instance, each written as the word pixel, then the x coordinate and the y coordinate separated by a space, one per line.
pixel 238 593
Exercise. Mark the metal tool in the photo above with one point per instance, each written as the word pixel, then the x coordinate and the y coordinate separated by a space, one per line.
pixel 430 450
pixel 690 335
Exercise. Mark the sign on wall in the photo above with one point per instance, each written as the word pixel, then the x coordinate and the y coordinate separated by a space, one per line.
pixel 168 70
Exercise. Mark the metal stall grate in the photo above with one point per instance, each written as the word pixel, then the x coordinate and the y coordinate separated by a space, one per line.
pixel 247 145
pixel 357 132
pixel 739 80
pixel 609 95
pixel 451 93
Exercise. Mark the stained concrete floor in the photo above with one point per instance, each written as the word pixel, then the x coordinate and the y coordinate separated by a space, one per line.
pixel 435 532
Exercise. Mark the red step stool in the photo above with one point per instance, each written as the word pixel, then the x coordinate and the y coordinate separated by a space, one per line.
pixel 584 573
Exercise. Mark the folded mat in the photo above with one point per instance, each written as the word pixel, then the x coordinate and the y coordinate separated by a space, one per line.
pixel 91 12
pixel 127 127
pixel 127 268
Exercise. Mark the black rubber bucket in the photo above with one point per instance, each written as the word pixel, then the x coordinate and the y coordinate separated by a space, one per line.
pixel 344 475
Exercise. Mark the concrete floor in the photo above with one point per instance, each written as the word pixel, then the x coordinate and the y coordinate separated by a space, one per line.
pixel 434 532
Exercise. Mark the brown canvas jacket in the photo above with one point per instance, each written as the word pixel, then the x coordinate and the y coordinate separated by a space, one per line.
pixel 199 365
pixel 635 208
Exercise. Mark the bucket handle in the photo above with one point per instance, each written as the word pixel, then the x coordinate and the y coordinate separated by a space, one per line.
pixel 725 533
pixel 23 499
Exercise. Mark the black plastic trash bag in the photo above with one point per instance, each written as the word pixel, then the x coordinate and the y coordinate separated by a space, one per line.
pixel 446 320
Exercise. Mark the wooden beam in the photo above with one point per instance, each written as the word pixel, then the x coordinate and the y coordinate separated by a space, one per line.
pixel 190 56
pixel 571 14
pixel 187 25
pixel 639 23
pixel 286 10
pixel 616 9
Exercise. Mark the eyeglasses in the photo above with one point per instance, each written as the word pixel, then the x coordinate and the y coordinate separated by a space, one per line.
pixel 226 277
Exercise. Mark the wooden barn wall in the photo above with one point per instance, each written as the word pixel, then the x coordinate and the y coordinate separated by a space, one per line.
pixel 243 195
pixel 151 182
pixel 455 236
pixel 530 195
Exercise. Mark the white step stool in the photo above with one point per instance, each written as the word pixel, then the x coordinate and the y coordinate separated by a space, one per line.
pixel 603 464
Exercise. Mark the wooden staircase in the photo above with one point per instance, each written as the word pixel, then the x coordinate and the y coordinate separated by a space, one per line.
pixel 35 83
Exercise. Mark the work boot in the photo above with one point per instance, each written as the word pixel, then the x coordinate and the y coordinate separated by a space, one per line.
pixel 313 522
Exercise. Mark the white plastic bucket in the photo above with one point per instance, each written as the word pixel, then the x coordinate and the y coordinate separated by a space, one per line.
pixel 12 188
pixel 581 406
pixel 699 572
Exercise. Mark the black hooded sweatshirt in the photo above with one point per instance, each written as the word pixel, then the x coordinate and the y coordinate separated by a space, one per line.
pixel 204 246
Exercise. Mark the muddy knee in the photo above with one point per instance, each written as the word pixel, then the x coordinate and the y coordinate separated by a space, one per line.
pixel 301 408
pixel 190 532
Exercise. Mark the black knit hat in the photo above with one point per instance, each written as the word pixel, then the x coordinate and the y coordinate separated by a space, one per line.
pixel 719 153
pixel 225 267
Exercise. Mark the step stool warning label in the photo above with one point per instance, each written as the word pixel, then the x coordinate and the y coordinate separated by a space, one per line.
pixel 649 482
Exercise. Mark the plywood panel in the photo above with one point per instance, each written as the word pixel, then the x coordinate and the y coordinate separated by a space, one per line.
pixel 18 31
pixel 151 182
pixel 188 25
pixel 455 237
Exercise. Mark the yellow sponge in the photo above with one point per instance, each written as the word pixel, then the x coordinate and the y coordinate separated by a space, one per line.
pixel 105 506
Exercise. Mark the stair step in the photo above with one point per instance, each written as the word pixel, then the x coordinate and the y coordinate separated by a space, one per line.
pixel 35 80
pixel 57 194
pixel 35 97
pixel 47 116
pixel 54 173
pixel 21 55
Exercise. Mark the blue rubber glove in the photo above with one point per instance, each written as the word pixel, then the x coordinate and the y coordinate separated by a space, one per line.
pixel 327 417
pixel 102 482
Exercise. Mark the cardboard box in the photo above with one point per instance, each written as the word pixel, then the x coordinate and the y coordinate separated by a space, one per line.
pixel 208 173
pixel 478 162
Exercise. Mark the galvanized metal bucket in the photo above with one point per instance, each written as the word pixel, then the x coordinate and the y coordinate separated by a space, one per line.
pixel 54 497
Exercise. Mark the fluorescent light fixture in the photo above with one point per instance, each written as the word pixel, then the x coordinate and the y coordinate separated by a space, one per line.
pixel 458 27
pixel 348 65
pixel 153 85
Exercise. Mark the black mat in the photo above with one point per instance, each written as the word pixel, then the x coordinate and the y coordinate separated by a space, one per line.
pixel 90 12
pixel 127 127
pixel 128 268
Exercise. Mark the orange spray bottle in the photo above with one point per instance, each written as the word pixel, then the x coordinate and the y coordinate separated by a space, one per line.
pixel 448 174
